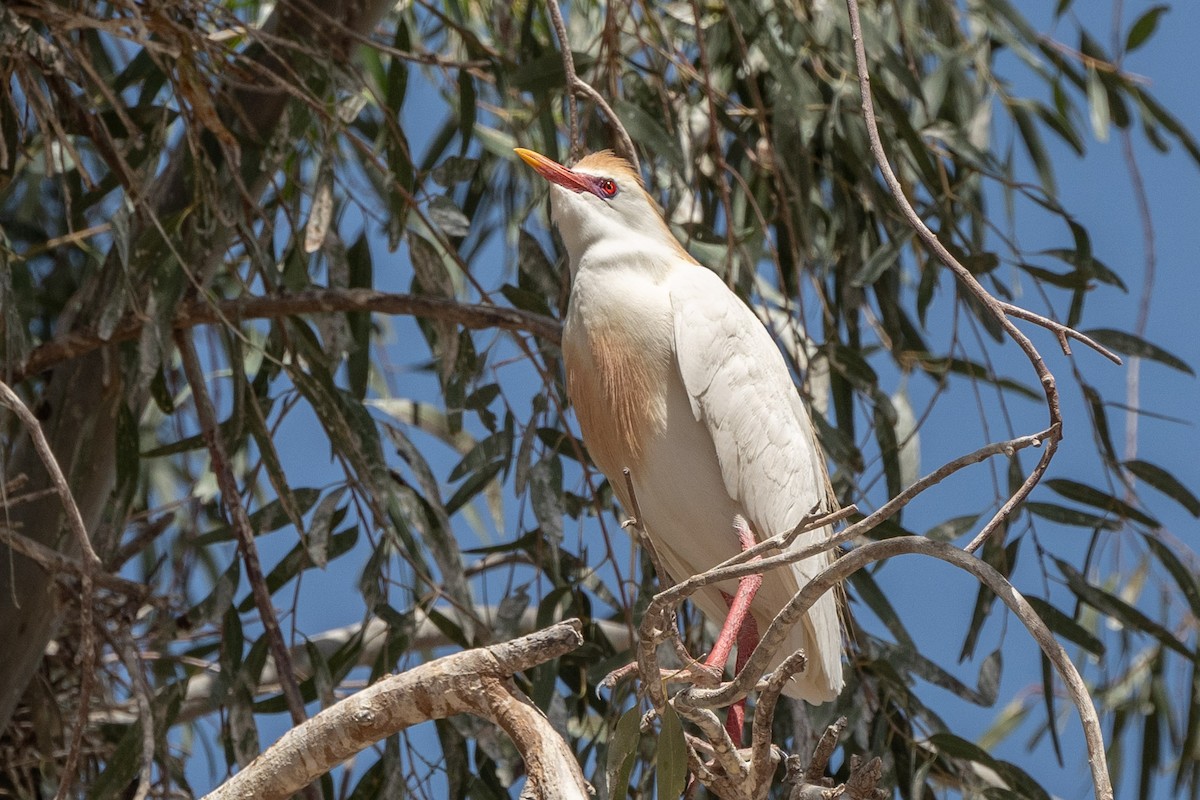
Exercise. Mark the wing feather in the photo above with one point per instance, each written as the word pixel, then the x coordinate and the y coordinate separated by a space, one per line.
pixel 740 389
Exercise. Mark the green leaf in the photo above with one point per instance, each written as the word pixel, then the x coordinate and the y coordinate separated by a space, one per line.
pixel 1082 493
pixel 358 363
pixel 1144 27
pixel 1066 627
pixel 466 109
pixel 1048 697
pixel 1166 483
pixel 449 217
pixel 1119 610
pixel 299 559
pixel 1034 146
pixel 473 486
pixel 454 170
pixel 622 747
pixel 545 495
pixel 672 765
pixel 1100 422
pixel 122 765
pixel 952 528
pixel 497 447
pixel 1185 577
pixel 909 660
pixel 397 74
pixel 1071 516
pixel 868 591
pixel 323 521
pixel 271 517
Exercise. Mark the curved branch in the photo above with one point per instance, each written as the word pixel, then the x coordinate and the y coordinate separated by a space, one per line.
pixel 1000 311
pixel 194 312
pixel 475 682
pixel 738 566
pixel 860 557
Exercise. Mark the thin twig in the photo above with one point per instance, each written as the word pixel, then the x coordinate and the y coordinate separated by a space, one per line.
pixel 736 567
pixel 576 85
pixel 240 520
pixel 574 140
pixel 90 567
pixel 143 697
pixel 58 563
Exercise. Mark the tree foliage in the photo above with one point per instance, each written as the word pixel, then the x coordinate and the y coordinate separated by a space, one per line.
pixel 310 219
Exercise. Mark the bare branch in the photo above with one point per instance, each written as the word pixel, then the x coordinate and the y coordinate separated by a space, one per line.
pixel 869 553
pixel 475 681
pixel 60 565
pixel 999 310
pixel 736 567
pixel 316 301
pixel 1063 332
pixel 574 140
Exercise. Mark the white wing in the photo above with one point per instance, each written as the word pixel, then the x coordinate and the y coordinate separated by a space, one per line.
pixel 741 391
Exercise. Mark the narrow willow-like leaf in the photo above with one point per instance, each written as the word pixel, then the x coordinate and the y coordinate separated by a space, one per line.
pixel 622 747
pixel 1166 483
pixel 1066 627
pixel 672 762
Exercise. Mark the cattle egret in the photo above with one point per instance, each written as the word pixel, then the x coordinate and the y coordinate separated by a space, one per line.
pixel 674 378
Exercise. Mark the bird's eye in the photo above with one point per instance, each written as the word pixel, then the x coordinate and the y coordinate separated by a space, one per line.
pixel 608 187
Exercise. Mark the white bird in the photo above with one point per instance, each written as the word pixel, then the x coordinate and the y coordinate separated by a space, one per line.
pixel 673 377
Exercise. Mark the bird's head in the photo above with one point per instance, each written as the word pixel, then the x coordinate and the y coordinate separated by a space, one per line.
pixel 601 201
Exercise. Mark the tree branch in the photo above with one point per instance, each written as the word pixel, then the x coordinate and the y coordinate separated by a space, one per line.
pixel 576 85
pixel 231 498
pixel 203 691
pixel 869 553
pixel 315 301
pixel 1000 311
pixel 475 681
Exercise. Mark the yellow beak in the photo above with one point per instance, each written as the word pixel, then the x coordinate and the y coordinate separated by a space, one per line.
pixel 554 172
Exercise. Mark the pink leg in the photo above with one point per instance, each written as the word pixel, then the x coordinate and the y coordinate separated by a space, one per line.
pixel 739 627
pixel 747 640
